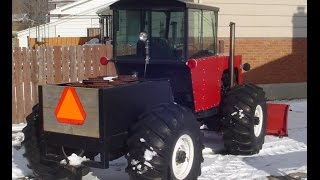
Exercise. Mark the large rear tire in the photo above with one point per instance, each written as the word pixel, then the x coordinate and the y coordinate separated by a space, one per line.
pixel 244 113
pixel 166 143
pixel 50 171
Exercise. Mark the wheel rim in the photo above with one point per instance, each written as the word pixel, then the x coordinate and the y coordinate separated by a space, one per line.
pixel 259 114
pixel 183 156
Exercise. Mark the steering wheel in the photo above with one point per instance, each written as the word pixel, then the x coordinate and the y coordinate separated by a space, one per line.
pixel 159 42
pixel 180 45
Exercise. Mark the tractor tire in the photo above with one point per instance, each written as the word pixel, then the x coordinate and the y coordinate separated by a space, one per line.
pixel 244 120
pixel 166 143
pixel 50 171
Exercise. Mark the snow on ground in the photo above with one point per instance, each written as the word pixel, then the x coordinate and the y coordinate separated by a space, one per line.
pixel 74 160
pixel 278 157
pixel 19 163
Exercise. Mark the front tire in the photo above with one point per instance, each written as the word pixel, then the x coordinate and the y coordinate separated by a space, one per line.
pixel 166 143
pixel 244 113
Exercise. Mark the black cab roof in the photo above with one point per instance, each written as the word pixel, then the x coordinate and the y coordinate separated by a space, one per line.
pixel 159 4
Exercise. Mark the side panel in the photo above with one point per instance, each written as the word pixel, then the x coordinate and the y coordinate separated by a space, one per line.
pixel 123 105
pixel 177 74
pixel 89 99
pixel 206 80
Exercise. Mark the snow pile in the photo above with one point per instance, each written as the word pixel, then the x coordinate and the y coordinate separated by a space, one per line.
pixel 148 155
pixel 18 127
pixel 74 160
pixel 207 151
pixel 19 164
pixel 109 78
pixel 148 164
pixel 241 115
pixel 17 138
pixel 134 162
pixel 142 166
pixel 203 126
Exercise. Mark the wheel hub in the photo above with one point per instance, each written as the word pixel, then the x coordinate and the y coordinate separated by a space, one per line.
pixel 256 120
pixel 181 157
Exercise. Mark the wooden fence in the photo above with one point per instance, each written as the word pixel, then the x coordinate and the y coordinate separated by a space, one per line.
pixel 59 41
pixel 51 65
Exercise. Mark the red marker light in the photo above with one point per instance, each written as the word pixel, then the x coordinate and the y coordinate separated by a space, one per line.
pixel 104 60
pixel 191 63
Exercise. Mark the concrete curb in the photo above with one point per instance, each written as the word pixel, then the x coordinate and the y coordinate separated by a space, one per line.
pixel 284 91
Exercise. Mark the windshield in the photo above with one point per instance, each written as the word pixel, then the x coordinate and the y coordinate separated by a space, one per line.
pixel 165 32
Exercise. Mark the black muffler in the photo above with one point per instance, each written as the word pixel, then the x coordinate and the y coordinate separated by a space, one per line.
pixel 231 53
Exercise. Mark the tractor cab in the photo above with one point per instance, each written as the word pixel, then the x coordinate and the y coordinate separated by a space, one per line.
pixel 168 39
pixel 175 31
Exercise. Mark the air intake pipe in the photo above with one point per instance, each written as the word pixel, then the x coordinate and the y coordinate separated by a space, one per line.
pixel 231 53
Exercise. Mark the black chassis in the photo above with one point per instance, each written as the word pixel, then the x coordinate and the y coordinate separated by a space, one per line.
pixel 119 108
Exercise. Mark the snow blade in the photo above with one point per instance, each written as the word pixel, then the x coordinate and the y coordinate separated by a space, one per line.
pixel 277 121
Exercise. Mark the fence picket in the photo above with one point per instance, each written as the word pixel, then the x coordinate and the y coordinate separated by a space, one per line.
pixel 34 76
pixel 73 64
pixel 42 67
pixel 95 60
pixel 87 61
pixel 19 85
pixel 27 82
pixel 57 64
pixel 79 57
pixel 49 71
pixel 102 68
pixel 65 64
pixel 14 83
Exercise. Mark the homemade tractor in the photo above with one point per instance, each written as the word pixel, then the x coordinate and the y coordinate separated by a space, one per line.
pixel 170 79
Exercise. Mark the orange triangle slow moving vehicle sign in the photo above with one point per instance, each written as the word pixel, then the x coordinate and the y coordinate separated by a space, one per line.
pixel 69 109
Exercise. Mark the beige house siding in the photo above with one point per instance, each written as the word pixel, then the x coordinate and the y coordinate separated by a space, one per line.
pixel 262 18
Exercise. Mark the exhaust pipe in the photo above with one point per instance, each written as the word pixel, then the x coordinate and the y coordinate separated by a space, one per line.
pixel 231 53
